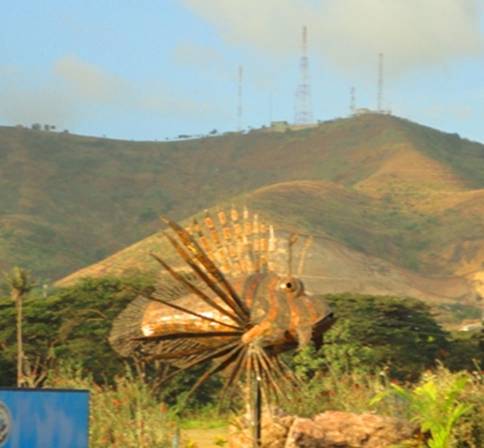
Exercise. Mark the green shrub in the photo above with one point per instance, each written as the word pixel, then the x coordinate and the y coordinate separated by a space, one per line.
pixel 439 403
pixel 72 323
pixel 350 392
pixel 448 407
pixel 465 350
pixel 126 414
pixel 372 333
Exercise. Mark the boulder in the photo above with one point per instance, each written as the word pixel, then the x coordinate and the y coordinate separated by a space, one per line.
pixel 275 427
pixel 331 429
pixel 335 429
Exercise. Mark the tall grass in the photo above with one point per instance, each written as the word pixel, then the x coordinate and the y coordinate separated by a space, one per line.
pixel 448 407
pixel 349 392
pixel 436 403
pixel 124 415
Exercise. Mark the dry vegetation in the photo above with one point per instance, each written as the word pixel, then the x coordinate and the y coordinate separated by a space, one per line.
pixel 384 183
pixel 448 407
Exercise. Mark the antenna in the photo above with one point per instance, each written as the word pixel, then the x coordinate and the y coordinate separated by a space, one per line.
pixel 270 108
pixel 239 98
pixel 380 83
pixel 303 110
pixel 353 100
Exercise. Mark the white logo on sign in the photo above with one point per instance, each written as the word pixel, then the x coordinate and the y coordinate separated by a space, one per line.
pixel 5 423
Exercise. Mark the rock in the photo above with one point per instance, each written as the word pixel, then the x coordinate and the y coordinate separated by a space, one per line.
pixel 331 429
pixel 275 427
pixel 334 429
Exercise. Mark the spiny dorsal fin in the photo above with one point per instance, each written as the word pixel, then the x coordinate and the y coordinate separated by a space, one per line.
pixel 216 238
pixel 127 327
pixel 237 241
pixel 302 257
pixel 229 243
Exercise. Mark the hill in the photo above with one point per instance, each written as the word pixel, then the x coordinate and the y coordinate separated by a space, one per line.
pixel 331 266
pixel 376 187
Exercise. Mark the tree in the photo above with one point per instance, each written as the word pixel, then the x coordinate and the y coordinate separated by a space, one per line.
pixel 70 323
pixel 373 333
pixel 20 283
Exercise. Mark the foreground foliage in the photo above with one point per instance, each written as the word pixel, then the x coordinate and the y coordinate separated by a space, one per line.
pixel 371 333
pixel 376 343
pixel 448 407
pixel 434 404
pixel 70 323
pixel 126 414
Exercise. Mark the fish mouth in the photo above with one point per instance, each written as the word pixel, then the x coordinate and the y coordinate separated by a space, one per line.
pixel 322 327
pixel 326 323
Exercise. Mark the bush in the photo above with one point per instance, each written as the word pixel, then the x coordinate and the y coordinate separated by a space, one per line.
pixel 350 392
pixel 439 403
pixel 372 333
pixel 72 323
pixel 448 407
pixel 126 414
pixel 466 350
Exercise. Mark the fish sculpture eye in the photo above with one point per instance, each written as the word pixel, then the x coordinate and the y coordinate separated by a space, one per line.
pixel 291 285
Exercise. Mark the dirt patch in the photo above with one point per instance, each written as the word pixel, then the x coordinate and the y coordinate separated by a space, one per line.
pixel 204 438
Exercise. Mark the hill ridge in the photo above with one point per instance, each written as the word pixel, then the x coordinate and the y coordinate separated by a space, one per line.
pixel 394 189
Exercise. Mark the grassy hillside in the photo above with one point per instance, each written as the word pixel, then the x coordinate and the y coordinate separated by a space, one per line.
pixel 344 225
pixel 376 185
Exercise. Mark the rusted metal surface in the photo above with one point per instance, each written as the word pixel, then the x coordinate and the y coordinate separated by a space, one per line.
pixel 235 301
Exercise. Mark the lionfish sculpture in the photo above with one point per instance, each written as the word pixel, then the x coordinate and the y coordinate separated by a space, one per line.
pixel 233 303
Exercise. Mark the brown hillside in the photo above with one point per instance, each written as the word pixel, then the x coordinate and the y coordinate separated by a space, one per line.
pixel 377 185
pixel 311 207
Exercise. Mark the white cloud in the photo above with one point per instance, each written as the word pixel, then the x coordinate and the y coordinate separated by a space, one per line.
pixel 88 81
pixel 456 112
pixel 349 33
pixel 195 54
pixel 20 105
pixel 24 102
pixel 75 90
pixel 156 100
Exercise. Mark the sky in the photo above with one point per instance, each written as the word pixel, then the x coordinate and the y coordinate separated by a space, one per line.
pixel 154 69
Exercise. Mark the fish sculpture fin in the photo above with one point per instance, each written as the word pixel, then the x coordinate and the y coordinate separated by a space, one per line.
pixel 126 327
pixel 238 242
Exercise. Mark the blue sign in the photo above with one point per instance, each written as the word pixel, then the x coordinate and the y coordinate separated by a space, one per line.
pixel 44 418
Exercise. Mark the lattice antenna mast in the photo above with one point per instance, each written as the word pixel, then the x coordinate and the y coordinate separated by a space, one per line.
pixel 380 83
pixel 303 113
pixel 239 98
pixel 270 108
pixel 352 100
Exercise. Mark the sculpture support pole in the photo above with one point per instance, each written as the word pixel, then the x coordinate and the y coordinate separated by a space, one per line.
pixel 256 412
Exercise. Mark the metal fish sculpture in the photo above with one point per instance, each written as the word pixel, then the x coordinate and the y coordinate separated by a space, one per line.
pixel 234 303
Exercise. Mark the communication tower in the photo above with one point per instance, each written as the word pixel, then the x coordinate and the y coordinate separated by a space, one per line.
pixel 270 108
pixel 352 100
pixel 380 83
pixel 239 98
pixel 303 107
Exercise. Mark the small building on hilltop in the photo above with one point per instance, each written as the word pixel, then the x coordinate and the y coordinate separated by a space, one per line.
pixel 283 126
pixel 279 126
